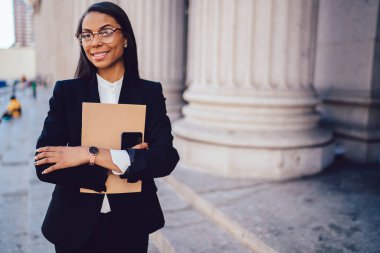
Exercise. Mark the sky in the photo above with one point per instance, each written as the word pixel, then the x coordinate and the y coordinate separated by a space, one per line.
pixel 7 36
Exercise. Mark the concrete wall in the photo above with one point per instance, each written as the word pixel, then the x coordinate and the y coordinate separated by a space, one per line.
pixel 15 62
pixel 347 75
pixel 345 45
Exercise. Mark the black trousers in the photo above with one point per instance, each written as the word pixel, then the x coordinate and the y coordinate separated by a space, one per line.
pixel 106 239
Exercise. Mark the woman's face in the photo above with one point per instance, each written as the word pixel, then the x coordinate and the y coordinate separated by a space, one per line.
pixel 103 55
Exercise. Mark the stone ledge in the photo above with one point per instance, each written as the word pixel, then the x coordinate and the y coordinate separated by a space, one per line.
pixel 187 230
pixel 227 224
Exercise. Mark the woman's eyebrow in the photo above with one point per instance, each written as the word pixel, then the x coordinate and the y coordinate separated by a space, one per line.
pixel 104 26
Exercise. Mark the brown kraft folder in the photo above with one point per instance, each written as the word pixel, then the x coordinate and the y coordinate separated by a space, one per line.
pixel 102 127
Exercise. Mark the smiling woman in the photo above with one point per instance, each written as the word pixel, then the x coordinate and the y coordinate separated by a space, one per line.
pixel 103 43
pixel 106 42
pixel 107 72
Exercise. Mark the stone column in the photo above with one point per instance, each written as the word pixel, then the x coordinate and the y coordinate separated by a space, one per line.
pixel 54 39
pixel 159 28
pixel 44 41
pixel 348 75
pixel 251 110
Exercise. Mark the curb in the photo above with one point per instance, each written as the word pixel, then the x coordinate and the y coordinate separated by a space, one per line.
pixel 162 243
pixel 242 235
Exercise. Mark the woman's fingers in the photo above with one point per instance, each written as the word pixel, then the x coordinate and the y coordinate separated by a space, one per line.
pixel 141 146
pixel 48 148
pixel 44 155
pixel 61 157
pixel 51 169
pixel 41 161
pixel 47 155
pixel 45 160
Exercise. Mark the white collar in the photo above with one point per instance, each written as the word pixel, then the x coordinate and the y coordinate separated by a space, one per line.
pixel 106 84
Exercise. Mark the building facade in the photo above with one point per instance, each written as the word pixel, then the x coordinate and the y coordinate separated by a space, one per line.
pixel 23 16
pixel 254 88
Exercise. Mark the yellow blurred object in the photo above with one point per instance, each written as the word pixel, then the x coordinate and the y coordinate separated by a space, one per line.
pixel 14 108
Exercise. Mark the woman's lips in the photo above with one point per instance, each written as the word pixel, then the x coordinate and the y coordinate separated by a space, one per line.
pixel 99 56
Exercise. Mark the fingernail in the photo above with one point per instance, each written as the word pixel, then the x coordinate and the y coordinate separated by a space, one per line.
pixel 37 150
pixel 35 163
pixel 43 172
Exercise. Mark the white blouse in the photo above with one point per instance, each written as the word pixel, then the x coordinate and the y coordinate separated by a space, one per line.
pixel 109 93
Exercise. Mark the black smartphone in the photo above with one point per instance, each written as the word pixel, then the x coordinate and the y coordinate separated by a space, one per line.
pixel 130 139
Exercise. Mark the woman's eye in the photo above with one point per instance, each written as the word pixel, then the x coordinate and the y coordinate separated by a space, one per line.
pixel 86 36
pixel 105 33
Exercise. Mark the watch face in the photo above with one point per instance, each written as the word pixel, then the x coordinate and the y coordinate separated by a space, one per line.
pixel 93 150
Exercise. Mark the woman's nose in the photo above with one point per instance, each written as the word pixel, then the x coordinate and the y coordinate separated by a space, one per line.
pixel 96 41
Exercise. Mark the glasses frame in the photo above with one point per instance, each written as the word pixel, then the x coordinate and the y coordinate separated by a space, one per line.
pixel 78 36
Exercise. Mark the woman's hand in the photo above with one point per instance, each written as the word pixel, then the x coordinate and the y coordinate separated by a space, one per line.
pixel 141 146
pixel 66 157
pixel 61 157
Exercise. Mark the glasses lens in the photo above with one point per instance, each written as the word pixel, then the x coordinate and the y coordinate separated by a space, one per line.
pixel 107 35
pixel 86 38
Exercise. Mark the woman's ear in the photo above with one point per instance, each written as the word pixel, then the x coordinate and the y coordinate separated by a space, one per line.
pixel 125 43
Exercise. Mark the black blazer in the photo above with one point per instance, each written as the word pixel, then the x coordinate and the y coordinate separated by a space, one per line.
pixel 72 215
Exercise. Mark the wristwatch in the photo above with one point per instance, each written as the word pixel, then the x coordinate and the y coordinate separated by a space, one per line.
pixel 93 151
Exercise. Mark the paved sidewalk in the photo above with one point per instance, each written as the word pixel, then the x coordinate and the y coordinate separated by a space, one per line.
pixel 335 211
pixel 18 139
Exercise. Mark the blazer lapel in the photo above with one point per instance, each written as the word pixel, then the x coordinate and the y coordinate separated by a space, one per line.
pixel 88 92
pixel 92 90
pixel 127 91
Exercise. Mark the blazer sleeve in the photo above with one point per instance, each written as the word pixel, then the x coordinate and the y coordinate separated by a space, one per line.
pixel 54 133
pixel 161 157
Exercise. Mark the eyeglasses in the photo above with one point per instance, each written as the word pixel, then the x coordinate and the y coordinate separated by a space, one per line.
pixel 106 35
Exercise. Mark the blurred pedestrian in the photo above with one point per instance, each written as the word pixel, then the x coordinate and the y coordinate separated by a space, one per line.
pixel 13 109
pixel 34 88
pixel 23 82
pixel 14 87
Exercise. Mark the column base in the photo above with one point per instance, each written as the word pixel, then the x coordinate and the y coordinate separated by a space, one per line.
pixel 251 161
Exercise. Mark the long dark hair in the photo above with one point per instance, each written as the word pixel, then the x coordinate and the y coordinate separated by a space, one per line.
pixel 85 68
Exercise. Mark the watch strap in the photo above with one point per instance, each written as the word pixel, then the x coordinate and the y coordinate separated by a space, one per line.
pixel 92 159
